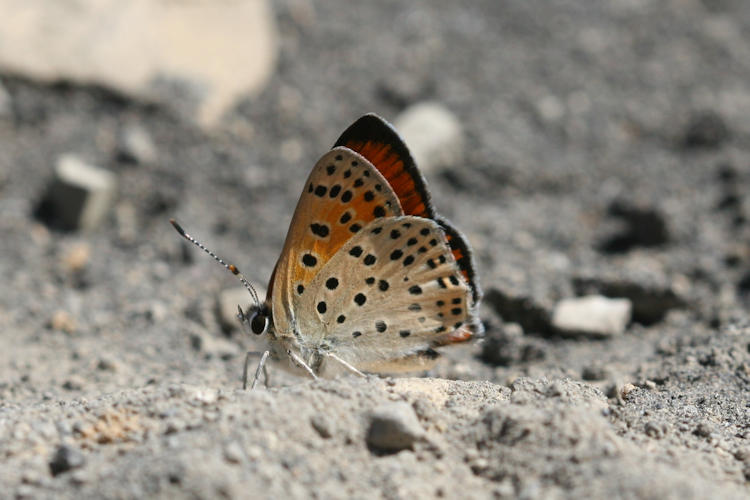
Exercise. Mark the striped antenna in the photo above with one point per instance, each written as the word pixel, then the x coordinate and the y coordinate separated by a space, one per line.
pixel 231 267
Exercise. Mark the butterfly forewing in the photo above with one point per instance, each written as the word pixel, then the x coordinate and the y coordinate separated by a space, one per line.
pixel 342 195
pixel 378 141
pixel 391 292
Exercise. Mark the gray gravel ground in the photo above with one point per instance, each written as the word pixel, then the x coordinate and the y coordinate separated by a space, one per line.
pixel 607 152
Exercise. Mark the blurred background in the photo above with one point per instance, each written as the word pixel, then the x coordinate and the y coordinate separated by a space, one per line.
pixel 587 149
pixel 595 153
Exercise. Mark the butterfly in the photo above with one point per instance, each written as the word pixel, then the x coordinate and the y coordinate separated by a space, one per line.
pixel 370 278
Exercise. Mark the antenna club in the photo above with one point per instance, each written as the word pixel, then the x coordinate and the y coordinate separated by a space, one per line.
pixel 177 227
pixel 234 269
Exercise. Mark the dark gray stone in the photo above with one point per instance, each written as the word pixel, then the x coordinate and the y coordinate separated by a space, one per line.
pixel 79 197
pixel 64 459
pixel 706 129
pixel 393 427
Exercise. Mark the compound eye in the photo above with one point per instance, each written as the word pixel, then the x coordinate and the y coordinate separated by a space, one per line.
pixel 258 323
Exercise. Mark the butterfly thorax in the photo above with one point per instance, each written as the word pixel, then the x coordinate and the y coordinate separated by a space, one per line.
pixel 284 347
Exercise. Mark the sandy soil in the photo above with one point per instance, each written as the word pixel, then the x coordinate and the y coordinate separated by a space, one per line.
pixel 607 152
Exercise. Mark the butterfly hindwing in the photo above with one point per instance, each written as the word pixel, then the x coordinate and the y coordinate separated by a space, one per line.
pixel 463 255
pixel 390 293
pixel 342 195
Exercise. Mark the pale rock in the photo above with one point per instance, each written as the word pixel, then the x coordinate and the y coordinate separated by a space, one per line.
pixel 550 109
pixel 136 146
pixel 433 134
pixel 62 321
pixel 80 195
pixel 592 315
pixel 233 452
pixel 393 427
pixel 196 57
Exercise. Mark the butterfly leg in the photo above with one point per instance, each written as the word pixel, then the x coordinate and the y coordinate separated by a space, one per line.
pixel 266 380
pixel 298 361
pixel 261 366
pixel 345 364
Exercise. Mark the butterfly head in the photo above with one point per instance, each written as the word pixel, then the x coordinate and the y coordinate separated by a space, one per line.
pixel 256 318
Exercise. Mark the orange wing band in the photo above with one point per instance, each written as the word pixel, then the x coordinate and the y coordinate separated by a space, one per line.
pixel 376 140
pixel 461 335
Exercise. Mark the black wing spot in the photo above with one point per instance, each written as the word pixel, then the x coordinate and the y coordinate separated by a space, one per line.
pixel 355 251
pixel 457 300
pixel 319 229
pixel 310 188
pixel 354 228
pixel 378 187
pixel 409 260
pixel 335 190
pixel 396 254
pixel 395 234
pixel 424 231
pixel 332 283
pixel 356 334
pixel 381 326
pixel 345 217
pixel 383 285
pixel 321 191
pixel 378 229
pixel 415 307
pixel 441 282
pixel 454 280
pixel 358 183
pixel 411 241
pixel 440 303
pixel 378 212
pixel 404 333
pixel 433 242
pixel 347 174
pixel 456 311
pixel 339 157
pixel 309 260
pixel 370 280
pixel 369 260
pixel 300 289
pixel 355 163
pixel 340 319
pixel 330 169
pixel 369 196
pixel 415 290
pixel 360 299
pixel 347 196
pixel 422 249
pixel 431 263
pixel 322 307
